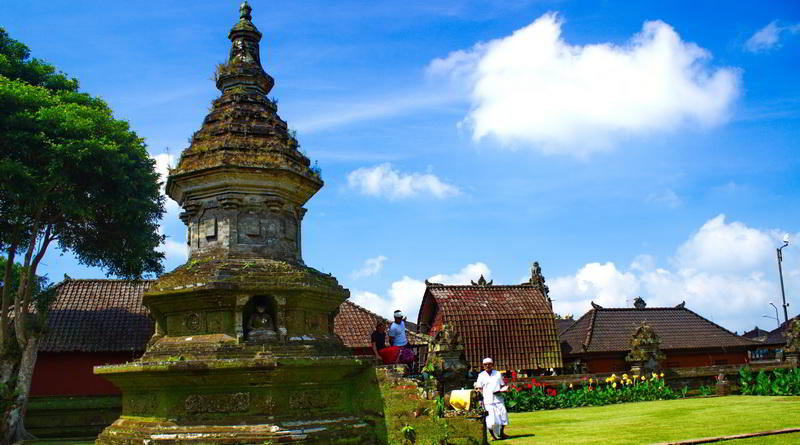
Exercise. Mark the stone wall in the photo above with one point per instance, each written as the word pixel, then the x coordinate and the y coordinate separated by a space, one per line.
pixel 72 416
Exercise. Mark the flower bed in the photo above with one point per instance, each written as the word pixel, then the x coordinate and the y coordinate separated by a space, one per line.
pixel 532 395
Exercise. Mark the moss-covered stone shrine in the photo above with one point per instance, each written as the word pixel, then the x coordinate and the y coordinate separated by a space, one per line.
pixel 244 350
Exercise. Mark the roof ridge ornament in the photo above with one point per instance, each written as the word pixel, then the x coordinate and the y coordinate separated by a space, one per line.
pixel 683 306
pixel 482 282
pixel 596 306
pixel 537 279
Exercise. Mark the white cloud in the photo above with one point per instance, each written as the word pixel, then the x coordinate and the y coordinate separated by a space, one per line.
pixel 724 247
pixel 665 198
pixel 370 267
pixel 769 36
pixel 176 251
pixel 532 88
pixel 406 294
pixel 724 271
pixel 384 181
pixel 335 115
pixel 470 272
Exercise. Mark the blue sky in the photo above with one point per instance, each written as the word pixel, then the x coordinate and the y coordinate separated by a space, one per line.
pixel 631 148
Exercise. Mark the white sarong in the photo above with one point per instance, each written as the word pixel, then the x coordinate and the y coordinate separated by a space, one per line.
pixel 497 417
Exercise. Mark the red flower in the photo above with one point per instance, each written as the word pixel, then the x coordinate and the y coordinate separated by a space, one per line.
pixel 514 375
pixel 530 386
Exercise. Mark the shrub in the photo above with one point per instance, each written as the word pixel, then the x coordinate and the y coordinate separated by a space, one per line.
pixel 779 382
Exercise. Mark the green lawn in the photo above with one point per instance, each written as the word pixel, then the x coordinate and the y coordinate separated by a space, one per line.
pixel 662 421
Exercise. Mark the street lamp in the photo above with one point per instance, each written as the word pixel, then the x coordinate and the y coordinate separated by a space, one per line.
pixel 776 318
pixel 780 273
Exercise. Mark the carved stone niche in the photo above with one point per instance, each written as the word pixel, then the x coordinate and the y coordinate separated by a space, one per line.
pixel 259 320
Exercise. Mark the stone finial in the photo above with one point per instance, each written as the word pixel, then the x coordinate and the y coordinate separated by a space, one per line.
pixel 244 11
pixel 537 279
pixel 482 282
pixel 639 303
pixel 596 306
pixel 681 306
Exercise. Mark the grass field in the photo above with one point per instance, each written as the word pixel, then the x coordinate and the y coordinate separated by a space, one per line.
pixel 649 422
pixel 661 421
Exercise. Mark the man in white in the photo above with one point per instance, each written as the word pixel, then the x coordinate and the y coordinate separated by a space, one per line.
pixel 491 383
pixel 397 331
pixel 397 337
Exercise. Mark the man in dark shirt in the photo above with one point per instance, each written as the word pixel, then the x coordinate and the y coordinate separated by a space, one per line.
pixel 378 338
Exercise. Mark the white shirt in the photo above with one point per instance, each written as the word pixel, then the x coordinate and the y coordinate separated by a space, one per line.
pixel 490 383
pixel 398 332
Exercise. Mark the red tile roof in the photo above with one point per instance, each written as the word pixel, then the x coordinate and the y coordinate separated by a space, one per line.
pixel 610 330
pixel 514 325
pixel 354 325
pixel 108 316
pixel 98 316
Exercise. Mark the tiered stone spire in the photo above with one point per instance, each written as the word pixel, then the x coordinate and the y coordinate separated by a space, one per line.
pixel 244 346
pixel 242 182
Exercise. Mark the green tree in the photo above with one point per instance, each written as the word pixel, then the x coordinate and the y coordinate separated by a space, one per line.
pixel 70 175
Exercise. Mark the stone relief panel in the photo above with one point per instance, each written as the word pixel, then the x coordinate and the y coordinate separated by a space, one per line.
pixel 217 403
pixel 208 227
pixel 192 322
pixel 139 404
pixel 314 399
pixel 249 228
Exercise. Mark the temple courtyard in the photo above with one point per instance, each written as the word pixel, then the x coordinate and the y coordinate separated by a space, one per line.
pixel 664 421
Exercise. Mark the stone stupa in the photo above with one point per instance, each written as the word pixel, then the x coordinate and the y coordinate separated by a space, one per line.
pixel 244 350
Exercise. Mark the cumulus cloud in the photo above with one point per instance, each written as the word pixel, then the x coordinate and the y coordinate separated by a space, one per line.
pixel 406 294
pixel 370 267
pixel 385 181
pixel 769 36
pixel 533 88
pixel 724 271
pixel 719 246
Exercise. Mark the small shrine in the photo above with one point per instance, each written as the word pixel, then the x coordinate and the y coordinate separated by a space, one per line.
pixel 244 349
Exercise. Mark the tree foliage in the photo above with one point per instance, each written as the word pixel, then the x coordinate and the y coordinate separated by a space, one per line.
pixel 71 175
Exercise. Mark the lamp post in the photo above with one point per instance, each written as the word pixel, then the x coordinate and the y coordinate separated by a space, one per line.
pixel 777 319
pixel 780 273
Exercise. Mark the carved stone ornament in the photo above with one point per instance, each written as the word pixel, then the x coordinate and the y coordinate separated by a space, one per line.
pixel 217 403
pixel 482 282
pixel 192 321
pixel 645 348
pixel 144 403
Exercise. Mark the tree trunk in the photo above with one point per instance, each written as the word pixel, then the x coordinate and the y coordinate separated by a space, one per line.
pixel 14 425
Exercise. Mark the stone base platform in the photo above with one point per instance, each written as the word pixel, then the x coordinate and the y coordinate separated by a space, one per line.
pixel 309 400
pixel 345 430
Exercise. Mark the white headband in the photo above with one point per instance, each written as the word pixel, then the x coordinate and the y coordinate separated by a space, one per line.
pixel 487 360
pixel 398 314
